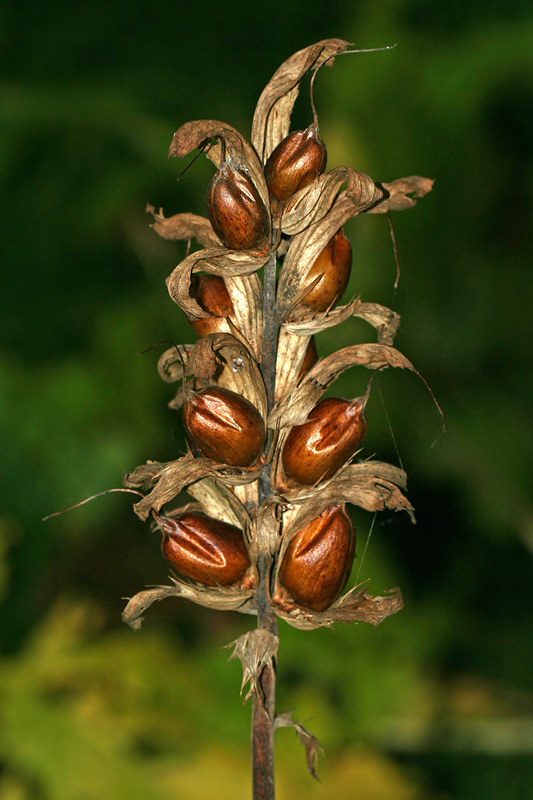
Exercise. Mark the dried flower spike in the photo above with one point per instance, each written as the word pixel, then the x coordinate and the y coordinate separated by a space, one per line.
pixel 236 210
pixel 297 161
pixel 319 559
pixel 332 433
pixel 225 426
pixel 204 549
pixel 211 294
pixel 333 267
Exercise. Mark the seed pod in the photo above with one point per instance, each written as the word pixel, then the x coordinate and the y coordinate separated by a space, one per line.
pixel 211 294
pixel 310 358
pixel 205 549
pixel 225 426
pixel 332 433
pixel 237 213
pixel 297 161
pixel 333 267
pixel 318 560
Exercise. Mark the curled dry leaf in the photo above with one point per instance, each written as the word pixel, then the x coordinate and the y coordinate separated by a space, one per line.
pixel 385 321
pixel 164 481
pixel 311 204
pixel 356 606
pixel 171 363
pixel 294 409
pixel 372 485
pixel 256 650
pixel 220 598
pixel 216 260
pixel 239 152
pixel 272 115
pixel 183 227
pixel 396 194
pixel 312 746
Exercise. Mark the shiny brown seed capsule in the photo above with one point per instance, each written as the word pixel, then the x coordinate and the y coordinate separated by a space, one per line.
pixel 204 549
pixel 225 426
pixel 211 294
pixel 333 267
pixel 297 161
pixel 332 433
pixel 310 358
pixel 237 213
pixel 319 559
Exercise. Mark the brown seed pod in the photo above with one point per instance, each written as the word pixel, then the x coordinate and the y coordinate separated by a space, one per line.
pixel 225 426
pixel 236 210
pixel 297 160
pixel 211 294
pixel 333 267
pixel 332 433
pixel 318 560
pixel 204 549
pixel 310 358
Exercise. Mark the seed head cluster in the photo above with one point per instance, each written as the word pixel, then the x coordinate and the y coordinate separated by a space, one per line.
pixel 271 466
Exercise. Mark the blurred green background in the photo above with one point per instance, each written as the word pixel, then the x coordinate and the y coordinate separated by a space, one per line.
pixel 435 704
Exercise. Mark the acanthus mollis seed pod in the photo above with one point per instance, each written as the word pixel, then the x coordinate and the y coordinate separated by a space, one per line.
pixel 297 161
pixel 237 213
pixel 310 358
pixel 332 433
pixel 225 426
pixel 211 294
pixel 333 267
pixel 318 560
pixel 204 549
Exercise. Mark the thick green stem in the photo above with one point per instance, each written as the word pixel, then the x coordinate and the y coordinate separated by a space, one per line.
pixel 263 715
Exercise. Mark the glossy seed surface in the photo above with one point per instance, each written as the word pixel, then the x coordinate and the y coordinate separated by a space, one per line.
pixel 319 559
pixel 225 426
pixel 332 433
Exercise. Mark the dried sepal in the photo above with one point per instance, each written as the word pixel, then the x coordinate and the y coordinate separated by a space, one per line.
pixel 312 746
pixel 164 481
pixel 355 606
pixel 216 260
pixel 220 598
pixel 183 226
pixel 396 194
pixel 265 530
pixel 220 502
pixel 291 353
pixel 294 409
pixel 238 151
pixel 246 292
pixel 273 111
pixel 256 650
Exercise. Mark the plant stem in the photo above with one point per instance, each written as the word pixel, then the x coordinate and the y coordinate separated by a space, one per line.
pixel 263 714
